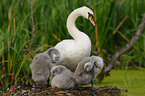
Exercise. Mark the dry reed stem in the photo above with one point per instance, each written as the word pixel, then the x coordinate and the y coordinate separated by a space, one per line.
pixel 33 24
pixel 3 59
pixel 125 38
pixel 96 36
pixel 119 25
pixel 54 35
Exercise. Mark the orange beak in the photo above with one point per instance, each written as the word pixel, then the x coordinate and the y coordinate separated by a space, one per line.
pixel 91 20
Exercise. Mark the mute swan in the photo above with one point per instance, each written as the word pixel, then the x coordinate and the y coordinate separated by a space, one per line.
pixel 63 78
pixel 88 69
pixel 73 51
pixel 41 65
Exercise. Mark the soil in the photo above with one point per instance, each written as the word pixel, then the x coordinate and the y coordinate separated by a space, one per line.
pixel 81 91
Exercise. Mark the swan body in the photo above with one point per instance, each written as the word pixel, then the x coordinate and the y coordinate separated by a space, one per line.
pixel 74 50
pixel 63 78
pixel 88 69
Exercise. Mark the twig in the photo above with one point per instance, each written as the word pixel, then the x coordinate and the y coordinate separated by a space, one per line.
pixel 125 90
pixel 33 24
pixel 110 88
pixel 106 72
pixel 91 92
pixel 45 91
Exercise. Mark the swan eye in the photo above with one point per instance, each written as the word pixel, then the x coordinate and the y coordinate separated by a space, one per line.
pixel 90 15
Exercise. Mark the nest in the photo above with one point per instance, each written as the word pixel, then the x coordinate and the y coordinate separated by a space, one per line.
pixel 80 91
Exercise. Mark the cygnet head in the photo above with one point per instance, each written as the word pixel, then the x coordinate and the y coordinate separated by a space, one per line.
pixel 87 67
pixel 54 55
pixel 98 61
pixel 55 58
pixel 57 69
pixel 87 13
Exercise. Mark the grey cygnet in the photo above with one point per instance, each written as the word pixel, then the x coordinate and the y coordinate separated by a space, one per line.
pixel 88 69
pixel 63 78
pixel 42 63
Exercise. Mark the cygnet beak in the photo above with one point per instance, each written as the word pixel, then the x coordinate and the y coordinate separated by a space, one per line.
pixel 53 61
pixel 84 70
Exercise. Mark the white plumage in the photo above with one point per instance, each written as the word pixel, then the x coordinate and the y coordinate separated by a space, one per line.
pixel 74 50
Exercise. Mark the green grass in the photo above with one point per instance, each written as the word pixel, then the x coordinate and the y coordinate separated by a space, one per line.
pixel 50 27
pixel 133 80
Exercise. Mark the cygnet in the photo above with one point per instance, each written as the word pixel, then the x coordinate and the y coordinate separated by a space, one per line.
pixel 62 77
pixel 41 65
pixel 88 69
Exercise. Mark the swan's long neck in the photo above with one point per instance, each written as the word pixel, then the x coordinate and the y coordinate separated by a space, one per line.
pixel 73 31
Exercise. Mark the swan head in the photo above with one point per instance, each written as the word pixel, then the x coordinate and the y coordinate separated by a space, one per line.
pixel 88 14
pixel 87 67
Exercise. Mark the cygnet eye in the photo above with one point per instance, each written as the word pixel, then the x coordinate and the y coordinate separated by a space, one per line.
pixel 87 66
pixel 45 57
pixel 54 73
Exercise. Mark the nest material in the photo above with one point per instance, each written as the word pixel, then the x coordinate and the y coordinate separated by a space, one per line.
pixel 81 91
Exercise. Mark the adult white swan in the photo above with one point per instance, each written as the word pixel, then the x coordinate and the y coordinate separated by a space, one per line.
pixel 73 51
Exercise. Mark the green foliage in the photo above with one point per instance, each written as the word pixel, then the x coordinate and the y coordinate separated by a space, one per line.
pixel 50 27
